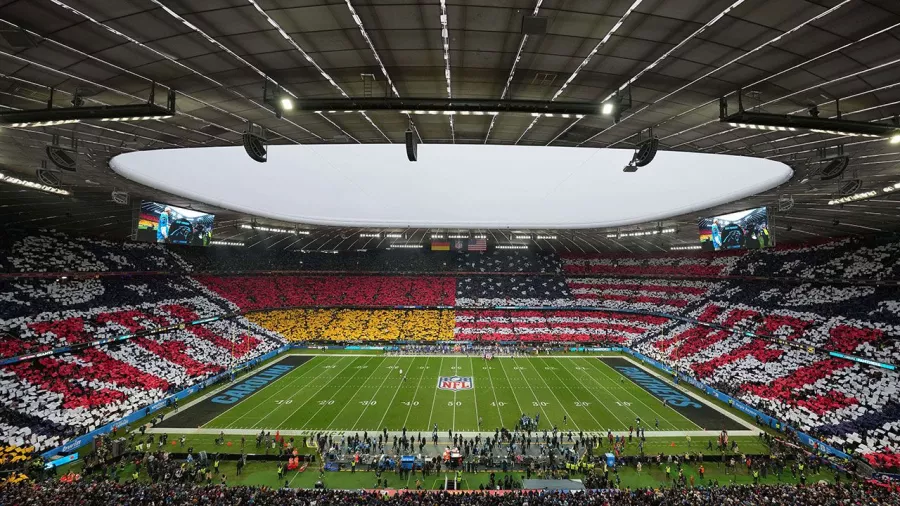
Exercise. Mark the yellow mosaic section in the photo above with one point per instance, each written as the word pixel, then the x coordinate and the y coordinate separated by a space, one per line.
pixel 359 325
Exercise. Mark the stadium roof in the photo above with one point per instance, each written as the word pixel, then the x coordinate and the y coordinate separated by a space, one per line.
pixel 678 57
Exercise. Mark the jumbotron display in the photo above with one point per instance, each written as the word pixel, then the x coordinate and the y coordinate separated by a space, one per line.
pixel 167 224
pixel 741 230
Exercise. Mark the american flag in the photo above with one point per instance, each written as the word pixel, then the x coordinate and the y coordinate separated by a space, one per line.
pixel 579 326
pixel 478 245
pixel 659 294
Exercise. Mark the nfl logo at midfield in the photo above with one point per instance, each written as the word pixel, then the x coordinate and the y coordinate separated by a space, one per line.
pixel 455 383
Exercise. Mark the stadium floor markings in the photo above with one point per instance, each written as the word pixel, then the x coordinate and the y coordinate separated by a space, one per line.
pixel 203 410
pixel 590 391
pixel 568 416
pixel 577 401
pixel 386 407
pixel 663 414
pixel 386 396
pixel 704 414
pixel 434 397
pixel 466 402
pixel 511 389
pixel 488 368
pixel 325 367
pixel 414 401
pixel 307 401
pixel 541 405
pixel 374 400
pixel 455 372
pixel 608 385
pixel 475 395
pixel 260 397
pixel 339 397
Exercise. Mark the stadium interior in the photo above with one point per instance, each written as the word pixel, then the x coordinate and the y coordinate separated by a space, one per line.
pixel 540 252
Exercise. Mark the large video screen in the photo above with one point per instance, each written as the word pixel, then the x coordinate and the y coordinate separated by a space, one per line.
pixel 741 230
pixel 167 224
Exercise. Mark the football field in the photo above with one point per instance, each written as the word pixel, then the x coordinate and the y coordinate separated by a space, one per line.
pixel 343 393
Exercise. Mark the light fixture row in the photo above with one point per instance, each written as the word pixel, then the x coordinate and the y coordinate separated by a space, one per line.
pixel 641 233
pixel 35 186
pixel 29 124
pixel 845 134
pixel 225 243
pixel 511 246
pixel 26 124
pixel 274 229
pixel 763 127
pixel 136 118
pixel 863 195
pixel 405 246
pixel 685 248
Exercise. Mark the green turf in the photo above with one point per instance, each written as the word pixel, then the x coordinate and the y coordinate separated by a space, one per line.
pixel 342 393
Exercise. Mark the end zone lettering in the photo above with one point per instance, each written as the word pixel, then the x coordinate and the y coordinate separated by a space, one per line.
pixel 658 388
pixel 251 385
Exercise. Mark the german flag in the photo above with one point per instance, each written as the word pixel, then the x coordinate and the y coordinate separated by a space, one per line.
pixel 440 246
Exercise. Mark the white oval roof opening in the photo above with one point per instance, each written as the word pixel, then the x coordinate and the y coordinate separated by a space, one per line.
pixel 452 185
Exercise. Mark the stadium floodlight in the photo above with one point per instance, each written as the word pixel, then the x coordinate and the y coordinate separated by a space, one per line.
pixel 607 109
pixel 29 184
pixel 895 139
pixel 287 104
pixel 255 143
pixel 853 198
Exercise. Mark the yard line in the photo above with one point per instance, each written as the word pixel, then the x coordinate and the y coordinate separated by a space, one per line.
pixel 358 390
pixel 290 383
pixel 629 392
pixel 416 393
pixel 551 393
pixel 376 395
pixel 537 401
pixel 613 413
pixel 310 397
pixel 472 366
pixel 511 387
pixel 433 398
pixel 494 390
pixel 600 425
pixel 455 373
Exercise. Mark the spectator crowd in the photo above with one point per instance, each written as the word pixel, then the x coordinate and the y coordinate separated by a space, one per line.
pixel 140 494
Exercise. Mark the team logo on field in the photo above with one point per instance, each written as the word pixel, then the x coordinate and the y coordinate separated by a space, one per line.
pixel 455 383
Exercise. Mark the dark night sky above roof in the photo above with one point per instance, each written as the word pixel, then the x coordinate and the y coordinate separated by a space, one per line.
pixel 679 56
